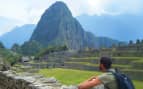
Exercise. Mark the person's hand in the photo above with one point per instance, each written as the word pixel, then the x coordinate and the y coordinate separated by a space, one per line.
pixel 88 84
pixel 93 77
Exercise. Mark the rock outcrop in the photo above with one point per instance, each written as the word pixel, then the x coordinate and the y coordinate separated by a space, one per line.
pixel 12 80
pixel 57 26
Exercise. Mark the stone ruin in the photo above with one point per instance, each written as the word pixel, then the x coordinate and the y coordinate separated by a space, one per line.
pixel 12 80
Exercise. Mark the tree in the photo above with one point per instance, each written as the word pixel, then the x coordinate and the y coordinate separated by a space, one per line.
pixel 137 41
pixel 114 45
pixel 31 48
pixel 1 45
pixel 51 49
pixel 142 41
pixel 130 42
pixel 16 48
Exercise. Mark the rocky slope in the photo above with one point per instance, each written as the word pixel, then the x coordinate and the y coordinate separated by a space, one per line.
pixel 57 26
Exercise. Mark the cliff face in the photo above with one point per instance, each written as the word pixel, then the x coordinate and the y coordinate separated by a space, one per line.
pixel 57 26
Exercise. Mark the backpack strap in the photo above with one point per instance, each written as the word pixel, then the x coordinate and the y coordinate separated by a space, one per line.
pixel 106 87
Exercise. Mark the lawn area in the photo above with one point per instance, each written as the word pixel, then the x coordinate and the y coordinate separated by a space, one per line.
pixel 70 76
pixel 138 84
pixel 96 65
pixel 85 58
pixel 120 58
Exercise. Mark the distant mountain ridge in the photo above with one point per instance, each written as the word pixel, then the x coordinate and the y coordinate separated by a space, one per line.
pixel 6 24
pixel 122 27
pixel 57 26
pixel 18 35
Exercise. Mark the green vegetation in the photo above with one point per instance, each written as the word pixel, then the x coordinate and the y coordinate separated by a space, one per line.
pixel 1 45
pixel 85 58
pixel 16 48
pixel 117 58
pixel 96 65
pixel 139 61
pixel 134 70
pixel 138 84
pixel 127 58
pixel 51 49
pixel 75 76
pixel 30 48
pixel 70 76
pixel 84 63
pixel 9 57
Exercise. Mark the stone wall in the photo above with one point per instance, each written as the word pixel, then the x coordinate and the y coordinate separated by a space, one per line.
pixel 12 80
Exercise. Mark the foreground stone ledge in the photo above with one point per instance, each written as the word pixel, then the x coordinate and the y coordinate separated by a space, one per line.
pixel 12 80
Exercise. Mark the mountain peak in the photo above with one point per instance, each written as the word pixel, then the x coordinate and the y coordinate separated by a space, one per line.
pixel 57 27
pixel 59 3
pixel 58 9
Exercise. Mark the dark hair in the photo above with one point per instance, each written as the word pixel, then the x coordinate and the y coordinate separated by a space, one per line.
pixel 106 61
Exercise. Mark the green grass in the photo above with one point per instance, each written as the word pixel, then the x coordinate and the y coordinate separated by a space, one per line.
pixel 91 58
pixel 85 58
pixel 138 61
pixel 138 84
pixel 128 58
pixel 96 65
pixel 133 70
pixel 84 63
pixel 69 76
pixel 33 62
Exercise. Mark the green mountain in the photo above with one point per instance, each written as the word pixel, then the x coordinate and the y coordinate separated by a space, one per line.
pixel 17 35
pixel 123 27
pixel 57 26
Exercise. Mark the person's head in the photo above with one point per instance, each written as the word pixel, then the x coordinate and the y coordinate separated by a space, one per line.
pixel 105 63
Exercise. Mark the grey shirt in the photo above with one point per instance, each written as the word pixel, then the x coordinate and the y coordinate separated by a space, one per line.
pixel 108 79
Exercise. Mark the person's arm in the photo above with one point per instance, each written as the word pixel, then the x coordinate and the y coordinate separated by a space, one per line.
pixel 89 83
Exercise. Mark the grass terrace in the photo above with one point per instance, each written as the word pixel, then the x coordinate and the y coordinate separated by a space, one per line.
pixel 70 76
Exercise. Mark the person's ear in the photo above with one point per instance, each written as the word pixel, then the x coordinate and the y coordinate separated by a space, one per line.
pixel 102 67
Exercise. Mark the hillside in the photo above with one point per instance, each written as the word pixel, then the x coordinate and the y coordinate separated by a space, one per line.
pixel 122 27
pixel 57 26
pixel 18 35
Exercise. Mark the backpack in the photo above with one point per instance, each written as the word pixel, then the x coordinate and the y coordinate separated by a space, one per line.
pixel 123 81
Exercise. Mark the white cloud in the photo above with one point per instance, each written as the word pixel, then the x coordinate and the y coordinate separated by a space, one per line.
pixel 125 6
pixel 29 11
pixel 13 9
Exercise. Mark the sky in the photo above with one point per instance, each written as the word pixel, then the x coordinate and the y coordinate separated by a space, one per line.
pixel 29 11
